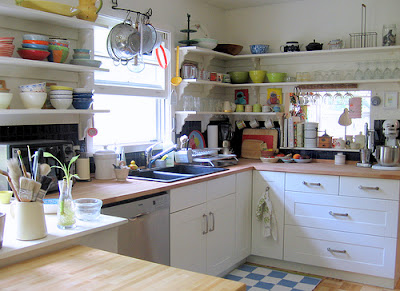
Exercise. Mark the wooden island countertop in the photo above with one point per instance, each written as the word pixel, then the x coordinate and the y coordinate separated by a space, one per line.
pixel 84 268
pixel 111 191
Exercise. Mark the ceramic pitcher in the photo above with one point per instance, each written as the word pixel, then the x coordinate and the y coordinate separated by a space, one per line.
pixel 88 9
pixel 29 218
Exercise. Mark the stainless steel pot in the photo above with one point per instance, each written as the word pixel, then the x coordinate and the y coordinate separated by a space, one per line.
pixel 387 156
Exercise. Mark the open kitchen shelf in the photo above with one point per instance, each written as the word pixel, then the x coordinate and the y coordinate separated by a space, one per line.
pixel 45 17
pixel 323 149
pixel 47 65
pixel 204 117
pixel 48 111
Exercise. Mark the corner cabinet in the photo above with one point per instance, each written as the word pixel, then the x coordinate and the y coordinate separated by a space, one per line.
pixel 209 224
pixel 17 21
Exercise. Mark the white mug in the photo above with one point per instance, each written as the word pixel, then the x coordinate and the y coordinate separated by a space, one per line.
pixel 30 223
pixel 227 106
pixel 254 123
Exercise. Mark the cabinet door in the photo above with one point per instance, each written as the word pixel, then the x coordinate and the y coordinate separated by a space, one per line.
pixel 267 246
pixel 188 196
pixel 188 243
pixel 221 234
pixel 243 215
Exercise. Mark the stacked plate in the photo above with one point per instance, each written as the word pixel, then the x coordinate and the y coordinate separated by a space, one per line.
pixel 82 98
pixel 60 97
pixel 6 46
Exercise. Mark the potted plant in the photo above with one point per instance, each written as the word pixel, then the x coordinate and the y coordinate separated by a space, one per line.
pixel 65 211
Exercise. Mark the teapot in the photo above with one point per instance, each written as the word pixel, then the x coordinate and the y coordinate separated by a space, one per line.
pixel 314 46
pixel 291 46
pixel 88 9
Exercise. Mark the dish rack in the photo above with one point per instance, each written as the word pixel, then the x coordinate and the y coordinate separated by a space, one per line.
pixel 363 38
pixel 197 153
pixel 218 160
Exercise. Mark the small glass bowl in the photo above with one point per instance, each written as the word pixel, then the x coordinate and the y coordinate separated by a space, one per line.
pixel 87 209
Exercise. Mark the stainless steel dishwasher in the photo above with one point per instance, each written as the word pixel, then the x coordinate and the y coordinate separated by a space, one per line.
pixel 146 235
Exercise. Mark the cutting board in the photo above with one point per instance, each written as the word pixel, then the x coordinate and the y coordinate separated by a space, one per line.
pixel 269 136
pixel 251 148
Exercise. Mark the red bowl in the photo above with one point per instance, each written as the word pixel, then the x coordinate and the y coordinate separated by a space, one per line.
pixel 33 54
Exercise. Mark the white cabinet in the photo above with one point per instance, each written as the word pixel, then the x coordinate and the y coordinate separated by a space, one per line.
pixel 203 229
pixel 343 223
pixel 243 215
pixel 267 246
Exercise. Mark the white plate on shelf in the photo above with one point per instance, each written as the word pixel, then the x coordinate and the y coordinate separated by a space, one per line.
pixel 302 160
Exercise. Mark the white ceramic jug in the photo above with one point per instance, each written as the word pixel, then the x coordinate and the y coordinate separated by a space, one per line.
pixel 30 223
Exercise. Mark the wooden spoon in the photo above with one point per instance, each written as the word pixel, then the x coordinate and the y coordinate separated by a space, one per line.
pixel 175 81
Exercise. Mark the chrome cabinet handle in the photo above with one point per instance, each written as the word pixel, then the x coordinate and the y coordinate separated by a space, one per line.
pixel 368 188
pixel 213 221
pixel 338 214
pixel 336 251
pixel 206 217
pixel 138 216
pixel 311 184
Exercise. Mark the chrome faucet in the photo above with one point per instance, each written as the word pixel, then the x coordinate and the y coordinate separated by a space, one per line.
pixel 150 159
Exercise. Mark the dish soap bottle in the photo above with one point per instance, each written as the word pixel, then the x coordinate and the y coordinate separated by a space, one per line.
pixel 170 160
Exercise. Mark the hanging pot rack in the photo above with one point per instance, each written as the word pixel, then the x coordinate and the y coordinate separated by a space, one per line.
pixel 147 15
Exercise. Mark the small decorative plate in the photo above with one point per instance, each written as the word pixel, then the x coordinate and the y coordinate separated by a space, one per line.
pixel 196 140
pixel 302 160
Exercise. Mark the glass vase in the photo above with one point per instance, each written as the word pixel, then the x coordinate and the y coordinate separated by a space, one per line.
pixel 65 211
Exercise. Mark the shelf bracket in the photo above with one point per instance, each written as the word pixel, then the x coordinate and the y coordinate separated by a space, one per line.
pixel 207 89
pixel 182 117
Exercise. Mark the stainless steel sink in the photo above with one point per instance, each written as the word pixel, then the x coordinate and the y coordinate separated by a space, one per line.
pixel 172 174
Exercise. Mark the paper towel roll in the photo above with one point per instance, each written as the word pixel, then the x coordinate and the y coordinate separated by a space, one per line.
pixel 83 168
pixel 212 136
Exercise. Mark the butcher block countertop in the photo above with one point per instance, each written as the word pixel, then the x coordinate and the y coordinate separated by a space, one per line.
pixel 85 268
pixel 111 191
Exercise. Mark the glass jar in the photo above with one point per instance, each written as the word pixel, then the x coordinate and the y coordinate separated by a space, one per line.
pixel 389 35
pixel 65 210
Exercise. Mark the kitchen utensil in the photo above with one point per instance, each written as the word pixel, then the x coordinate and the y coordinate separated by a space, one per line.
pixel 45 182
pixel 87 209
pixel 26 186
pixel 22 163
pixel 291 46
pixel 175 81
pixel 119 42
pixel 189 70
pixel 148 38
pixel 387 156
pixel 314 46
pixel 14 173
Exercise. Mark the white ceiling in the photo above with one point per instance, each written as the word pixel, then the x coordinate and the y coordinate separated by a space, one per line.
pixel 235 4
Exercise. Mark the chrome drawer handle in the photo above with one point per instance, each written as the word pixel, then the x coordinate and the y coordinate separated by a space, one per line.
pixel 206 217
pixel 138 216
pixel 368 188
pixel 311 184
pixel 338 214
pixel 213 222
pixel 336 251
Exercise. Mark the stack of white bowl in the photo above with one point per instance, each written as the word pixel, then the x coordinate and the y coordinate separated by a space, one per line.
pixel 310 134
pixel 61 98
pixel 33 96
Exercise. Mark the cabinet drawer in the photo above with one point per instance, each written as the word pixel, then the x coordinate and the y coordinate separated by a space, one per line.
pixel 351 214
pixel 188 196
pixel 365 254
pixel 221 187
pixel 312 183
pixel 371 188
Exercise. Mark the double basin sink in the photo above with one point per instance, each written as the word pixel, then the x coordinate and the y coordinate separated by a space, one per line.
pixel 173 174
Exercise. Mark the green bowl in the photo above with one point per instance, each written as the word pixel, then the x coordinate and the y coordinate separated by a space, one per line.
pixel 239 77
pixel 276 77
pixel 257 76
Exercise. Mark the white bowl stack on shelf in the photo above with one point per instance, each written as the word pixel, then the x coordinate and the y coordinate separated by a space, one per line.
pixel 60 97
pixel 33 96
pixel 310 134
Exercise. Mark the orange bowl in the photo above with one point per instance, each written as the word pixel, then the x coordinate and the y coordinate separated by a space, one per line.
pixel 35 41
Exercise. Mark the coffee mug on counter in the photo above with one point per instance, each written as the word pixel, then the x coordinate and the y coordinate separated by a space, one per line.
pixel 30 223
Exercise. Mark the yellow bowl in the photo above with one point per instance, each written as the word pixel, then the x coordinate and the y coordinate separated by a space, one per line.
pixel 5 197
pixel 54 87
pixel 257 76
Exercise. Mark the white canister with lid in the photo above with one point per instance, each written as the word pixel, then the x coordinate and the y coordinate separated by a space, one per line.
pixel 340 159
pixel 104 161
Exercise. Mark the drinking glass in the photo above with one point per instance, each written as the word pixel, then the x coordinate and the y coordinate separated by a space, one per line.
pixel 338 98
pixel 396 71
pixel 378 73
pixel 387 73
pixel 327 98
pixel 188 103
pixel 368 75
pixel 197 104
pixel 317 98
pixel 358 74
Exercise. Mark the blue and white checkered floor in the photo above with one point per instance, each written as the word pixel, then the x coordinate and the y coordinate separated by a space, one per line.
pixel 261 279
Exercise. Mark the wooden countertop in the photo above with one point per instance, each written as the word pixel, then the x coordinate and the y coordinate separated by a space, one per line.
pixel 113 191
pixel 85 268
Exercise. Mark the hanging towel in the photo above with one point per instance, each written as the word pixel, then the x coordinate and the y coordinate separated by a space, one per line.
pixel 265 212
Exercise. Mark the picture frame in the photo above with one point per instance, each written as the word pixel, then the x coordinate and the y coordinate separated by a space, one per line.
pixel 274 96
pixel 242 96
pixel 390 100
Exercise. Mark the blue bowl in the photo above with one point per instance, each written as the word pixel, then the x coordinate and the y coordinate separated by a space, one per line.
pixel 82 103
pixel 82 95
pixel 259 48
pixel 35 46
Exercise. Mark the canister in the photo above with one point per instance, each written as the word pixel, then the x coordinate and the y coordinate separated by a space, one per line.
pixel 104 161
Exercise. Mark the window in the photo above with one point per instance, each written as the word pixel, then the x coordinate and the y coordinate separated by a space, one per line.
pixel 326 108
pixel 137 101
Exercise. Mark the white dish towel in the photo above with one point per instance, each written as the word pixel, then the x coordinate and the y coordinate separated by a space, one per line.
pixel 265 212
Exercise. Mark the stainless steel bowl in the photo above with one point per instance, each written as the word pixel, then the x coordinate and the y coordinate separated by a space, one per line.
pixel 387 156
